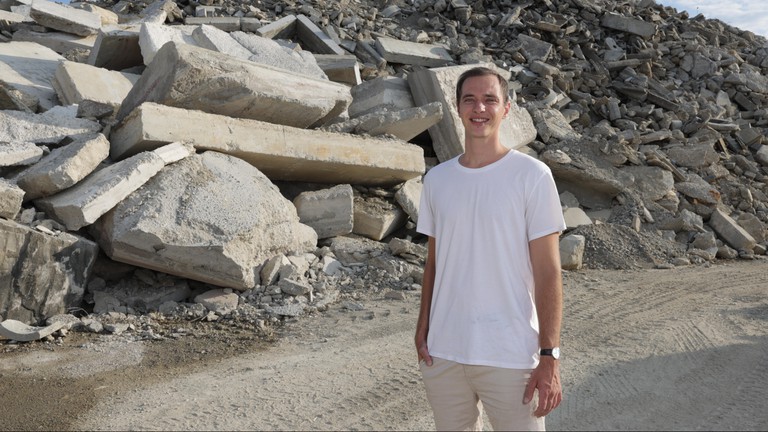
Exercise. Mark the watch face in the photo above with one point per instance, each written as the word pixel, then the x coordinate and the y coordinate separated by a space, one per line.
pixel 556 353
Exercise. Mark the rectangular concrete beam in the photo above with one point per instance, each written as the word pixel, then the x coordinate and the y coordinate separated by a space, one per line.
pixel 340 68
pixel 412 53
pixel 280 152
pixel 315 39
pixel 284 28
pixel 65 18
pixel 76 82
pixel 196 78
pixel 439 85
pixel 228 24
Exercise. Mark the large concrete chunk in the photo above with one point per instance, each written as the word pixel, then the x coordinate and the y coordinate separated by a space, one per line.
pixel 76 82
pixel 85 202
pixel 280 152
pixel 391 93
pixel 629 25
pixel 195 78
pixel 315 39
pixel 65 18
pixel 209 217
pixel 214 39
pixel 439 85
pixel 49 127
pixel 270 53
pixel 152 37
pixel 63 167
pixel 731 232
pixel 19 153
pixel 29 67
pixel 41 275
pixel 11 197
pixel 329 211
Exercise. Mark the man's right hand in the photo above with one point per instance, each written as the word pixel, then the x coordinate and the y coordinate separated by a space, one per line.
pixel 422 352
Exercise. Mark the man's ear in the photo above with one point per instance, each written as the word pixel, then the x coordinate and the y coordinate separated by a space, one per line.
pixel 507 107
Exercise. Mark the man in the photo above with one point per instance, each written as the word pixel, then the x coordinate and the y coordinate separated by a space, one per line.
pixel 489 325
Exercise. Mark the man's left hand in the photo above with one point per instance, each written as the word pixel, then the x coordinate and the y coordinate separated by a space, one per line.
pixel 545 378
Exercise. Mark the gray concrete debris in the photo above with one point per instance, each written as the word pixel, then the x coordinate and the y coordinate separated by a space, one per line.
pixel 219 301
pixel 257 225
pixel 572 251
pixel 18 331
pixel 329 211
pixel 653 124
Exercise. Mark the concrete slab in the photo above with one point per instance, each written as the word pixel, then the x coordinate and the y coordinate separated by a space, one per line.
pixel 340 68
pixel 195 78
pixel 49 127
pixel 629 25
pixel 328 211
pixel 63 167
pixel 152 37
pixel 29 67
pixel 19 153
pixel 284 28
pixel 11 198
pixel 223 23
pixel 412 53
pixel 268 52
pixel 77 82
pixel 57 41
pixel 214 39
pixel 390 93
pixel 439 85
pixel 84 203
pixel 281 152
pixel 315 39
pixel 65 18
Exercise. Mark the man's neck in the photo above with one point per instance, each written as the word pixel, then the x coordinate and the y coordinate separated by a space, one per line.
pixel 479 153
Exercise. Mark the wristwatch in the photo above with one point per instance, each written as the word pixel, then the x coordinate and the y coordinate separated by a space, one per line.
pixel 554 352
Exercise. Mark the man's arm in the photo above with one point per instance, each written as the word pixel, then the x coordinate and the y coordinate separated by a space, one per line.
pixel 427 286
pixel 545 262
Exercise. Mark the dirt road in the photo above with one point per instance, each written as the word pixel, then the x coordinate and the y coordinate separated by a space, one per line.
pixel 653 349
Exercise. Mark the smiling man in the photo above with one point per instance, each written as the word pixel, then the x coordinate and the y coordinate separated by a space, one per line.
pixel 491 308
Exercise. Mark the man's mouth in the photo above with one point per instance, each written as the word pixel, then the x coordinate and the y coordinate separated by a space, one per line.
pixel 478 120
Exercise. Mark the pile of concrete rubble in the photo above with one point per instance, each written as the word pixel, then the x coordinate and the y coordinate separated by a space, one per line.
pixel 227 160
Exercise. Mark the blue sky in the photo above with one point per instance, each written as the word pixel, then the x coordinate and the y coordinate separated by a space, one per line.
pixel 749 15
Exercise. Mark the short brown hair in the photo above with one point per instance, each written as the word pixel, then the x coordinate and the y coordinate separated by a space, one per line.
pixel 482 71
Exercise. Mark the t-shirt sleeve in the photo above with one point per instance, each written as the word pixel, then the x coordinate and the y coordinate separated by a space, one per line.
pixel 426 223
pixel 544 215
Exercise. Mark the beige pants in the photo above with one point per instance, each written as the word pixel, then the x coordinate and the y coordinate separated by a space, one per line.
pixel 457 392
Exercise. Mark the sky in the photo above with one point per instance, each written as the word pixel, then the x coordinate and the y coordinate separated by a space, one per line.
pixel 749 15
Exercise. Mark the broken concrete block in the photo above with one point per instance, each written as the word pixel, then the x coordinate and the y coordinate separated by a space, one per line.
pixel 409 197
pixel 413 53
pixel 57 41
pixel 574 217
pixel 572 252
pixel 41 275
pixel 653 183
pixel 63 167
pixel 731 232
pixel 19 153
pixel 376 219
pixel 628 25
pixel 218 40
pixel 137 296
pixel 439 85
pixel 271 269
pixel 218 301
pixel 404 124
pixel 65 18
pixel 552 125
pixel 753 225
pixel 329 211
pixel 14 99
pixel 49 127
pixel 18 331
pixel 152 37
pixel 383 93
pixel 29 67
pixel 284 28
pixel 533 48
pixel 343 69
pixel 107 16
pixel 11 197
pixel 315 39
pixel 280 152
pixel 116 48
pixel 195 78
pixel 294 287
pixel 270 53
pixel 77 82
pixel 210 217
pixel 101 191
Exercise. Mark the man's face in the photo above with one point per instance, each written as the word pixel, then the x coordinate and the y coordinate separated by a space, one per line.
pixel 482 107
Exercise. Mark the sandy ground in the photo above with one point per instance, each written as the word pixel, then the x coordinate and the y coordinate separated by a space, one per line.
pixel 682 349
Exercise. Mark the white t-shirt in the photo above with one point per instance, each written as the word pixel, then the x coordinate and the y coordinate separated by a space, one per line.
pixel 483 310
